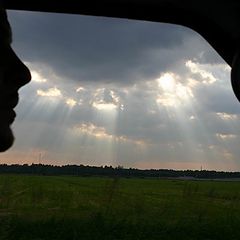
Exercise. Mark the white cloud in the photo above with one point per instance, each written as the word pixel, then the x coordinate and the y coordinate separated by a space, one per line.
pixel 105 99
pixel 102 134
pixel 207 77
pixel 51 92
pixel 71 102
pixel 225 136
pixel 79 89
pixel 227 116
pixel 37 77
pixel 167 82
pixel 93 130
pixel 104 106
pixel 171 91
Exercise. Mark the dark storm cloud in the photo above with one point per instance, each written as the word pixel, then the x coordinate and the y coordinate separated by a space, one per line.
pixel 99 49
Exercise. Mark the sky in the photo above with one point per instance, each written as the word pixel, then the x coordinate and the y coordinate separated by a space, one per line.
pixel 108 91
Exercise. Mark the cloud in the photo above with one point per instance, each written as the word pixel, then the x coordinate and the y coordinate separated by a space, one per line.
pixel 103 134
pixel 173 92
pixel 226 116
pixel 225 136
pixel 105 99
pixel 71 102
pixel 99 49
pixel 93 130
pixel 36 77
pixel 51 92
pixel 207 77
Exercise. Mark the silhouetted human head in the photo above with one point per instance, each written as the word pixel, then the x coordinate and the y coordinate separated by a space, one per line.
pixel 13 75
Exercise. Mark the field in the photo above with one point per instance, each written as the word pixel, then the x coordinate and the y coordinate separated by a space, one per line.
pixel 64 207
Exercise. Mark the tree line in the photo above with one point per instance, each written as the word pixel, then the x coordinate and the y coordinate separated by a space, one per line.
pixel 82 170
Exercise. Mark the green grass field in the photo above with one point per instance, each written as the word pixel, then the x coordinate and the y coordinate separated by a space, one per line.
pixel 64 207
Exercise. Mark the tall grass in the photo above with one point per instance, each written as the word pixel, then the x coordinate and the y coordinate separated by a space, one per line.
pixel 41 207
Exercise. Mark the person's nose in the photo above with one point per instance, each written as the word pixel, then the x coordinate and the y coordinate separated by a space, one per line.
pixel 19 74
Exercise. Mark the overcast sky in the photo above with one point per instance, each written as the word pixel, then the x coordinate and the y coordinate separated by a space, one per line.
pixel 108 91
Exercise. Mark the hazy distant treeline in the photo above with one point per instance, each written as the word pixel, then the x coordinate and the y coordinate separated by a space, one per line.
pixel 81 170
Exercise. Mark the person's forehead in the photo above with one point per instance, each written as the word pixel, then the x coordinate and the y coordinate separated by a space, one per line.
pixel 5 30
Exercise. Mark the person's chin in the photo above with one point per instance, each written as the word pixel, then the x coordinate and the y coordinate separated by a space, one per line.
pixel 6 137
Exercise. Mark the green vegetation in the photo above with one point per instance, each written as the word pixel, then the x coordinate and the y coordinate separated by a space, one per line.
pixel 109 171
pixel 64 207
